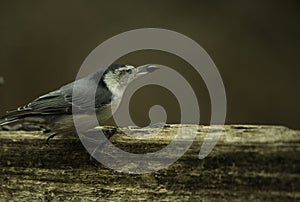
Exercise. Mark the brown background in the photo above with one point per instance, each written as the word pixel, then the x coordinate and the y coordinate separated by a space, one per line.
pixel 255 45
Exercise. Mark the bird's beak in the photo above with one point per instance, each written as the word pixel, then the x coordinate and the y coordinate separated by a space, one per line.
pixel 145 69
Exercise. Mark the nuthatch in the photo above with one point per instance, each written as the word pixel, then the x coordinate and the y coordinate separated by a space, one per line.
pixel 53 111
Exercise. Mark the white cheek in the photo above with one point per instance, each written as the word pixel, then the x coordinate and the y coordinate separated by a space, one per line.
pixel 116 99
pixel 117 93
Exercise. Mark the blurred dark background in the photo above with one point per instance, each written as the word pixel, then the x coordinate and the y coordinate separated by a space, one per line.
pixel 255 45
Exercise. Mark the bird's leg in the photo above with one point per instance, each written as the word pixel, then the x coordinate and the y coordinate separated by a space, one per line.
pixel 50 137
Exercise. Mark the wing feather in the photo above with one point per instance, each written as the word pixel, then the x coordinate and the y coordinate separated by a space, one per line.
pixel 62 100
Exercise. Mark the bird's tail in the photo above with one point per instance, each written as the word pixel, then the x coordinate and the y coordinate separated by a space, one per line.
pixel 5 121
pixel 11 117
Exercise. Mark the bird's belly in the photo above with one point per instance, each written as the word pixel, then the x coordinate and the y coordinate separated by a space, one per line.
pixel 83 122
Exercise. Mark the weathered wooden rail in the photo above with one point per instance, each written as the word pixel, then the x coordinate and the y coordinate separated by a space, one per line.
pixel 248 163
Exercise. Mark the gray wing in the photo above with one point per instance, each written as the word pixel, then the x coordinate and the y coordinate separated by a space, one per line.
pixel 62 100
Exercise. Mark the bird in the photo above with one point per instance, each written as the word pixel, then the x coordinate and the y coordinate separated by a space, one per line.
pixel 53 112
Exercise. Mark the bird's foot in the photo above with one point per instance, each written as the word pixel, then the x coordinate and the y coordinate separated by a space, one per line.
pixel 50 137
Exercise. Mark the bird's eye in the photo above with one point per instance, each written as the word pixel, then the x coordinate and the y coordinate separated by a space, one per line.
pixel 129 71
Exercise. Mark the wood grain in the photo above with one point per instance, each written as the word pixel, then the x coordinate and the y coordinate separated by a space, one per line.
pixel 249 162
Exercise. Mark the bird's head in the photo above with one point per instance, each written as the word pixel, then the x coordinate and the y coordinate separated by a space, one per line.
pixel 117 76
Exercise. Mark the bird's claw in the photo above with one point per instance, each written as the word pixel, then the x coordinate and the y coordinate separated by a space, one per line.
pixel 50 137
